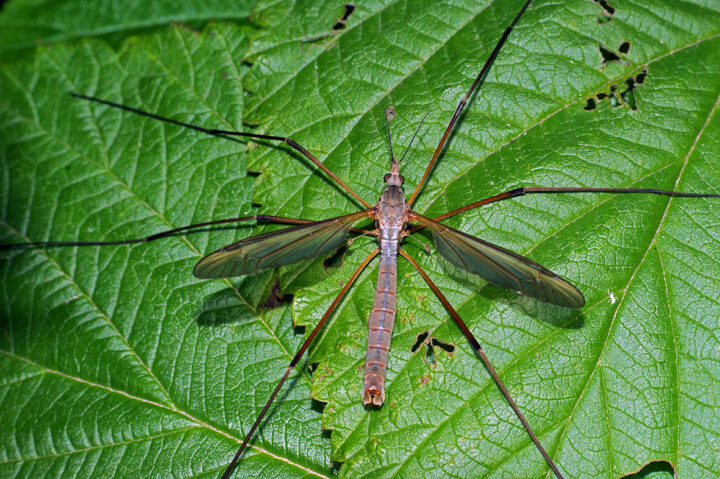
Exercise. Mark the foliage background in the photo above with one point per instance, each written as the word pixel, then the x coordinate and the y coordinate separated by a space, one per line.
pixel 117 362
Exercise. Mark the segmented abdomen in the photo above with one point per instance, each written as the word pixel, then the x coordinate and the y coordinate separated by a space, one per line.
pixel 380 324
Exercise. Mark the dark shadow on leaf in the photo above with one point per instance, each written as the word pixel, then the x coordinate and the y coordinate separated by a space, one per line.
pixel 556 316
pixel 276 298
pixel 280 398
pixel 222 308
pixel 335 260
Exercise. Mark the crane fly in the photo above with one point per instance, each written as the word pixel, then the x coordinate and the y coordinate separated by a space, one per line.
pixel 394 220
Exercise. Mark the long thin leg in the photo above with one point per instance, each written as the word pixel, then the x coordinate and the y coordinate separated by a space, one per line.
pixel 535 190
pixel 464 101
pixel 163 234
pixel 471 338
pixel 542 190
pixel 295 360
pixel 224 133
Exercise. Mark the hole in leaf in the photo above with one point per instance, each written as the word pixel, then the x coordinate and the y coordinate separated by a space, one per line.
pixel 607 11
pixel 614 102
pixel 608 55
pixel 605 5
pixel 430 344
pixel 342 21
pixel 420 340
pixel 447 347
pixel 653 469
pixel 611 56
pixel 626 96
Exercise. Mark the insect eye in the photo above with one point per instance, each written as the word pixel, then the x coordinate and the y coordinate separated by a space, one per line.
pixel 402 179
pixel 387 177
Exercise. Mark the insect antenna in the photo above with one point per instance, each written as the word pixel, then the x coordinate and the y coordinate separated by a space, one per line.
pixel 417 130
pixel 389 116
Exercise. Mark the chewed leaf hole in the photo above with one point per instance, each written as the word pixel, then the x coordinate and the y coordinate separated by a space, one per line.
pixel 342 21
pixel 420 340
pixel 610 56
pixel 653 469
pixel 607 11
pixel 447 347
pixel 430 343
pixel 624 95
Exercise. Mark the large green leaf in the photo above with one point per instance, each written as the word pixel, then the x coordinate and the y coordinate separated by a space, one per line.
pixel 24 23
pixel 116 361
pixel 135 357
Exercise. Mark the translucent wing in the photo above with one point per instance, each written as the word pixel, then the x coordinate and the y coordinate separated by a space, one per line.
pixel 279 248
pixel 502 267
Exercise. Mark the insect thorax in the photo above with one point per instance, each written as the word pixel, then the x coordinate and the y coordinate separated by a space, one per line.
pixel 391 218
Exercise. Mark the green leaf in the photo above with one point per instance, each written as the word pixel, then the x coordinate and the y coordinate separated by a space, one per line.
pixel 135 357
pixel 24 23
pixel 184 366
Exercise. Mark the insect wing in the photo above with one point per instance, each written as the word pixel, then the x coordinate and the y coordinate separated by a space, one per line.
pixel 279 248
pixel 502 267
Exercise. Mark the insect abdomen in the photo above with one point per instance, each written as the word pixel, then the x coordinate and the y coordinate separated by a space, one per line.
pixel 380 325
